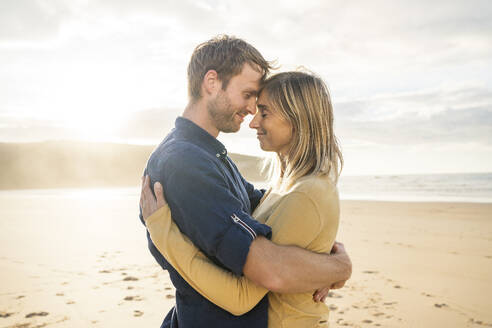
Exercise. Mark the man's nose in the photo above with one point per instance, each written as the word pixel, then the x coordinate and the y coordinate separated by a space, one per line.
pixel 255 122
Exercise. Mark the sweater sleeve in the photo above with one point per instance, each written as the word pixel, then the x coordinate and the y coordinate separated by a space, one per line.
pixel 235 294
pixel 295 221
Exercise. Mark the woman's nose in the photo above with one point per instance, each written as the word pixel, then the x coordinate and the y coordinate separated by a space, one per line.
pixel 255 122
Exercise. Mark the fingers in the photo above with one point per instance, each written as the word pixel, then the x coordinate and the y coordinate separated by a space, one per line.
pixel 147 200
pixel 159 195
pixel 321 294
pixel 338 248
pixel 334 249
pixel 146 189
pixel 142 192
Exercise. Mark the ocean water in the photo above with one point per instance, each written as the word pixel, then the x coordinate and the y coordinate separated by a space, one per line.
pixel 469 187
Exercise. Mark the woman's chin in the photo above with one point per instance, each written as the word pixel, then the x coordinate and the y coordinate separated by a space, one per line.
pixel 266 148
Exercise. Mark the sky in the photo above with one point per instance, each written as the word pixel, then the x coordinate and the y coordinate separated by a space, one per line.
pixel 411 81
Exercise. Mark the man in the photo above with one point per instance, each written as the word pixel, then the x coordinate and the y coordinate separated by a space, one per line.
pixel 211 202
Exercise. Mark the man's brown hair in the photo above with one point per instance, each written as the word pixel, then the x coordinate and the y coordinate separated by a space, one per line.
pixel 226 55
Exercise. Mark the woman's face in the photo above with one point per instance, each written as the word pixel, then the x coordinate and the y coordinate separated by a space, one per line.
pixel 273 131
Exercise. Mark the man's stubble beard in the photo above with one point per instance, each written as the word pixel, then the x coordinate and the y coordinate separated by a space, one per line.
pixel 222 113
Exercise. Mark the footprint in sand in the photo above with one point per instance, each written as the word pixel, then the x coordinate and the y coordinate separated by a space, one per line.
pixel 480 323
pixel 370 272
pixel 60 294
pixel 133 298
pixel 137 313
pixel 129 287
pixel 170 296
pixel 19 297
pixel 390 303
pixel 334 295
pixel 37 314
pixel 441 305
pixel 129 278
pixel 104 271
pixel 70 302
pixel 427 295
pixel 397 286
pixel 167 288
pixel 5 314
pixel 21 325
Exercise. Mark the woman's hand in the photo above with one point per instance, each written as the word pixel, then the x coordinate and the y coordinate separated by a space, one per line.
pixel 148 203
pixel 339 250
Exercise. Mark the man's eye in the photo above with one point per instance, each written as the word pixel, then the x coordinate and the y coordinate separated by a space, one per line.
pixel 247 95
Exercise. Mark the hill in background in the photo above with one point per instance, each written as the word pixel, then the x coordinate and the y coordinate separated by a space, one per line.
pixel 63 164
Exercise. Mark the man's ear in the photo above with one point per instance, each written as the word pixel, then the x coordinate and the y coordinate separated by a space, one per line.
pixel 211 83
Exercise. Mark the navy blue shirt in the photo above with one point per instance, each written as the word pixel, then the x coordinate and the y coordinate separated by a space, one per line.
pixel 211 203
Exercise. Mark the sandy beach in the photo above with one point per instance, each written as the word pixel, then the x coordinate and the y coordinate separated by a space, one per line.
pixel 78 258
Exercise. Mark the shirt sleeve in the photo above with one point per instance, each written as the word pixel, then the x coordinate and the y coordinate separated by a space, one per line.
pixel 296 221
pixel 205 209
pixel 235 294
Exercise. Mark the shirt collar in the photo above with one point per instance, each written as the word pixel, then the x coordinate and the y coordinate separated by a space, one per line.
pixel 192 132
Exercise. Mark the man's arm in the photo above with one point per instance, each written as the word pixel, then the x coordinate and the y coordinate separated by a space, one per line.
pixel 204 207
pixel 290 269
pixel 300 222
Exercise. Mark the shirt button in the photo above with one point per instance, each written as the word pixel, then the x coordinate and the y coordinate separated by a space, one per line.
pixel 218 155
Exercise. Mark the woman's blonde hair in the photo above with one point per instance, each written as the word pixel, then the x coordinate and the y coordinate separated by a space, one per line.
pixel 303 100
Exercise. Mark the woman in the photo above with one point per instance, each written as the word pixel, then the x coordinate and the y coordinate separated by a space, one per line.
pixel 294 120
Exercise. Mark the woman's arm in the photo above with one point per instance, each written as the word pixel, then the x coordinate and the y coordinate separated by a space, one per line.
pixel 299 225
pixel 234 294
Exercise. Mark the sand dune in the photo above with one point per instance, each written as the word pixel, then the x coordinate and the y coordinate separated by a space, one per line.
pixel 58 164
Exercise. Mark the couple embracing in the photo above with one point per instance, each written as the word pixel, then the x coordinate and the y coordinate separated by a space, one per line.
pixel 239 256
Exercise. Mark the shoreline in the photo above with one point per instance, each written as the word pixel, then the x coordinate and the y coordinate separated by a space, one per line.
pixel 136 189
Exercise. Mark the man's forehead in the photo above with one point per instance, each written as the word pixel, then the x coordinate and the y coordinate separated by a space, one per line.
pixel 250 74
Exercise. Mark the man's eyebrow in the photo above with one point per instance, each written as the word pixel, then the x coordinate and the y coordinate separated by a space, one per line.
pixel 252 91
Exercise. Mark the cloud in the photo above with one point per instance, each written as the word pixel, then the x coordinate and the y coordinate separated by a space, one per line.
pixel 25 20
pixel 444 117
pixel 132 55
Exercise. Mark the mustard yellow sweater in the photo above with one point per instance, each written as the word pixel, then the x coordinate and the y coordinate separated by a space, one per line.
pixel 306 215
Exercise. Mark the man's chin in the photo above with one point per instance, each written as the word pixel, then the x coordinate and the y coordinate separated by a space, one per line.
pixel 231 129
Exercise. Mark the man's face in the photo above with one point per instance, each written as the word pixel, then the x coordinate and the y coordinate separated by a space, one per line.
pixel 229 107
